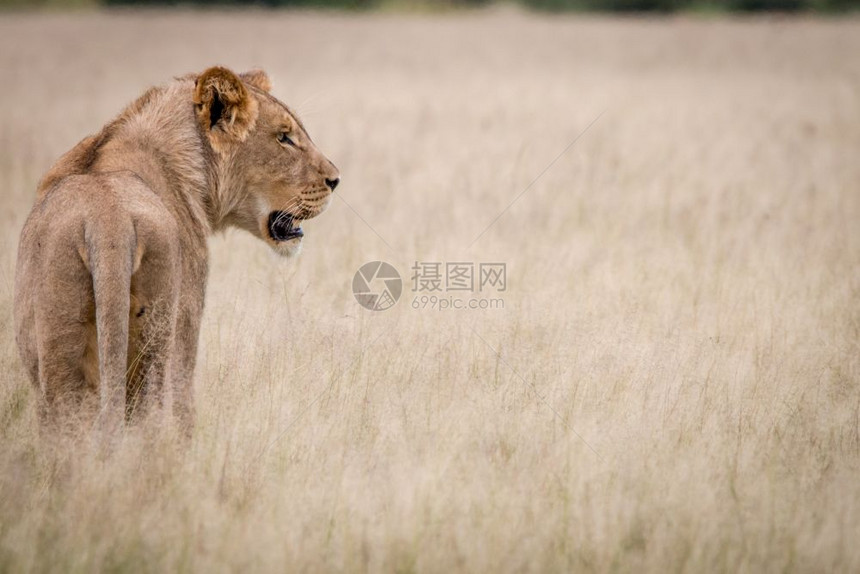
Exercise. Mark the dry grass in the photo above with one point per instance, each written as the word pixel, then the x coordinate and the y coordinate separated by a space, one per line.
pixel 684 295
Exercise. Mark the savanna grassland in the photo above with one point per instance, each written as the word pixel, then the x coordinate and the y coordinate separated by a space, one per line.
pixel 673 383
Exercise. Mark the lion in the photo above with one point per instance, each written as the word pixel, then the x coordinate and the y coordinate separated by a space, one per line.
pixel 112 261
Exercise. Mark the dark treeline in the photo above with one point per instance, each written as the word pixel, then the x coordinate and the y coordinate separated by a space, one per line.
pixel 692 5
pixel 549 5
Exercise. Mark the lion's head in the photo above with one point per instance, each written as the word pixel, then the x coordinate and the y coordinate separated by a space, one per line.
pixel 271 175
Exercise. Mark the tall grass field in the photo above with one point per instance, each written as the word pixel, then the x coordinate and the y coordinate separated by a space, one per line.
pixel 667 381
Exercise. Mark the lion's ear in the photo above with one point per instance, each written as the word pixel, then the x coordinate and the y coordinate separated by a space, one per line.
pixel 224 107
pixel 257 78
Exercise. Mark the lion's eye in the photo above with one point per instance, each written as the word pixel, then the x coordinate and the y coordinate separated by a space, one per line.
pixel 285 139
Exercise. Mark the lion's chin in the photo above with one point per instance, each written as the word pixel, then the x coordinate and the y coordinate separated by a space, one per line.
pixel 289 248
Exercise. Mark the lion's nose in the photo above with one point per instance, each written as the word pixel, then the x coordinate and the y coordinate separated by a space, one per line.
pixel 332 183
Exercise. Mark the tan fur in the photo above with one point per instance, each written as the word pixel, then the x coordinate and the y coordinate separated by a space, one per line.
pixel 112 261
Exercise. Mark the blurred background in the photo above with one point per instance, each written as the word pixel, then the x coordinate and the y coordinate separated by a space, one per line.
pixel 704 6
pixel 673 383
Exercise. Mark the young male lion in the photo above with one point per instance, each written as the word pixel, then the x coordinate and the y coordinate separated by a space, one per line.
pixel 112 262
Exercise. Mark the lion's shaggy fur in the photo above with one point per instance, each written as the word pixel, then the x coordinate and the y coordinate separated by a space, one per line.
pixel 112 262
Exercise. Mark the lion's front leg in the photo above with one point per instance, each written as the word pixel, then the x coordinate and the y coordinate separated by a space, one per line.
pixel 189 316
pixel 155 296
pixel 182 367
pixel 153 323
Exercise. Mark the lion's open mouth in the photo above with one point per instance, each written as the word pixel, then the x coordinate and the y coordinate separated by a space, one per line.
pixel 283 227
